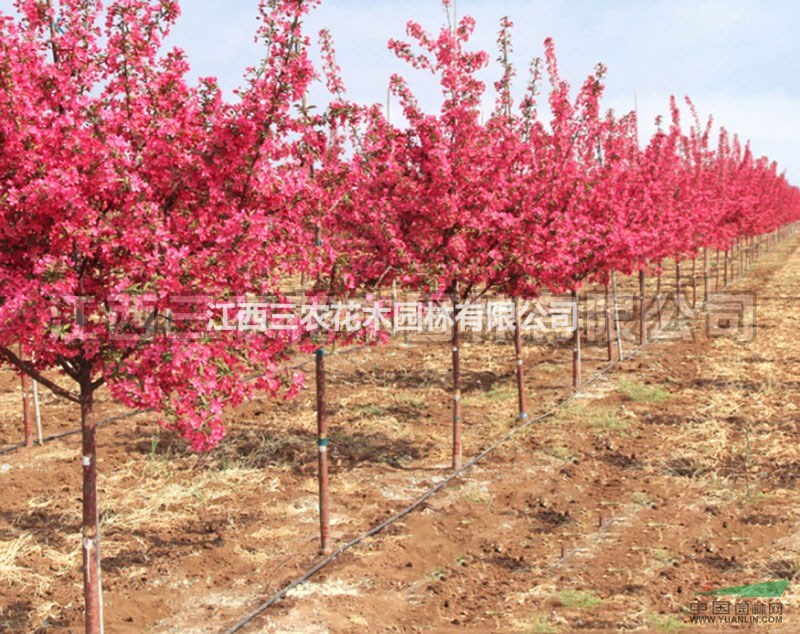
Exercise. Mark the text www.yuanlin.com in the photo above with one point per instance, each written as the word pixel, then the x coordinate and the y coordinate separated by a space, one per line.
pixel 705 619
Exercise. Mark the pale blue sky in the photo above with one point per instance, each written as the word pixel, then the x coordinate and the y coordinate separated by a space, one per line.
pixel 739 60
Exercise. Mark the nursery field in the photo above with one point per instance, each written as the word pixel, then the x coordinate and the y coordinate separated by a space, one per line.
pixel 176 255
pixel 671 474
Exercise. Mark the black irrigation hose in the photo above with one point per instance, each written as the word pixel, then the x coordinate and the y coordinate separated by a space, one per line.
pixel 74 432
pixel 113 419
pixel 422 499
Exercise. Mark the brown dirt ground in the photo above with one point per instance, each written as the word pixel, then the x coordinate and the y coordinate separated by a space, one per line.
pixel 672 474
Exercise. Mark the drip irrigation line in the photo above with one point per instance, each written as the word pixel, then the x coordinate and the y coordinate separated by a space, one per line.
pixel 252 616
pixel 75 432
pixel 425 496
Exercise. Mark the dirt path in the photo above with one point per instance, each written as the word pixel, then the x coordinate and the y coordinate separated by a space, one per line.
pixel 680 477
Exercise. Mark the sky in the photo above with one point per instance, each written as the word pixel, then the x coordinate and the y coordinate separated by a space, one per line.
pixel 738 60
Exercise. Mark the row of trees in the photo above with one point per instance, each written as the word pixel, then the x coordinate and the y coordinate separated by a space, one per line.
pixel 125 188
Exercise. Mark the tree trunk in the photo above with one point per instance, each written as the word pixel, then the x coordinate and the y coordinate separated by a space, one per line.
pixel 523 411
pixel 740 245
pixel 642 309
pixel 456 386
pixel 716 269
pixel 678 289
pixel 609 342
pixel 747 253
pixel 706 274
pixel 92 579
pixel 27 430
pixel 694 282
pixel 616 314
pixel 576 350
pixel 658 301
pixel 322 456
pixel 37 413
pixel 725 274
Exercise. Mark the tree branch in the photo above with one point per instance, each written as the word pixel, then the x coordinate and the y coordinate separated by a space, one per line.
pixel 28 368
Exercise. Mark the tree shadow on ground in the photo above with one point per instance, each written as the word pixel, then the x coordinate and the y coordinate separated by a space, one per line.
pixel 294 448
pixel 183 539
pixel 471 380
pixel 54 528
pixel 20 615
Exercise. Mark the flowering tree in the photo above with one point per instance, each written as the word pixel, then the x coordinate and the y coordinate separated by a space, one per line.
pixel 130 200
pixel 345 246
pixel 449 210
pixel 566 188
pixel 126 193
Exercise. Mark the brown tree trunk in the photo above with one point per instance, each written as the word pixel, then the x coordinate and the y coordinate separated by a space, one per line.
pixel 456 386
pixel 725 274
pixel 706 274
pixel 523 411
pixel 92 579
pixel 322 456
pixel 609 342
pixel 576 339
pixel 740 245
pixel 658 301
pixel 616 314
pixel 694 282
pixel 746 246
pixel 27 429
pixel 642 308
pixel 37 413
